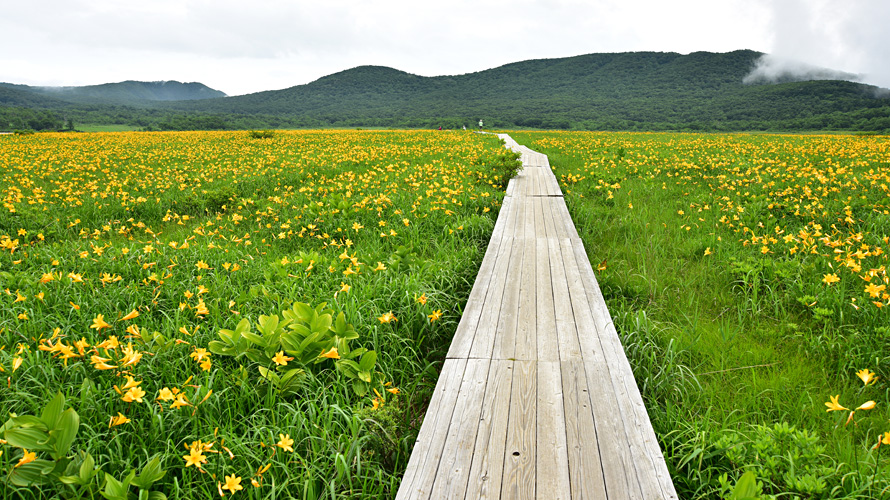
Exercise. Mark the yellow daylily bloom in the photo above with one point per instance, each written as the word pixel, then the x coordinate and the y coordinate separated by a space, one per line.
pixel 867 376
pixel 233 483
pixel 868 405
pixel 194 458
pixel 132 314
pixel 165 394
pixel 134 394
pixel 332 354
pixel 833 405
pixel 120 419
pixel 27 458
pixel 280 359
pixel 101 363
pixel 285 442
pixel 99 322
pixel 387 318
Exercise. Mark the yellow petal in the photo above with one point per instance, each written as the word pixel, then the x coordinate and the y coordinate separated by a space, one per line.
pixel 868 405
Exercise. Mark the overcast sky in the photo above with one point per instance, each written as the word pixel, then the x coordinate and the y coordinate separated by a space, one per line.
pixel 248 46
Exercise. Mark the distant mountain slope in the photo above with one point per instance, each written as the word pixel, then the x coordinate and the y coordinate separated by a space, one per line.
pixel 128 92
pixel 649 90
pixel 612 91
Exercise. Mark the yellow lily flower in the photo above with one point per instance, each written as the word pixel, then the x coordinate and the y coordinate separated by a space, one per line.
pixel 833 405
pixel 867 376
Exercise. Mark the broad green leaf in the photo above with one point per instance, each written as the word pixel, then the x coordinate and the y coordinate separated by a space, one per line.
pixel 29 438
pixel 243 326
pixel 349 335
pixel 87 469
pixel 114 489
pixel 65 432
pixel 321 324
pixel 30 474
pixel 268 374
pixel 150 474
pixel 746 488
pixel 217 347
pixel 348 367
pixel 292 373
pixel 72 480
pixel 268 324
pixel 365 375
pixel 303 312
pixel 227 337
pixel 340 325
pixel 360 388
pixel 53 410
pixel 256 339
pixel 354 353
pixel 368 361
pixel 29 421
pixel 300 330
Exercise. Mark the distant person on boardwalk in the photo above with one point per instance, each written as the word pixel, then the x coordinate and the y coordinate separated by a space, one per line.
pixel 480 125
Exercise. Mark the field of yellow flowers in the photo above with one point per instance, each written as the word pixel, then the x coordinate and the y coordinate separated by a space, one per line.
pixel 205 314
pixel 747 275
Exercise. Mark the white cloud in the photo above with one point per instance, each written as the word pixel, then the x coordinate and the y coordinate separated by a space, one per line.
pixel 241 47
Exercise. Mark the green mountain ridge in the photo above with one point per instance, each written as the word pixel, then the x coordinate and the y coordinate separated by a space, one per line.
pixel 605 91
pixel 128 92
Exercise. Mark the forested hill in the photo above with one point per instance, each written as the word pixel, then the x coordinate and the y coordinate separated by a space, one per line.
pixel 614 91
pixel 639 90
pixel 125 93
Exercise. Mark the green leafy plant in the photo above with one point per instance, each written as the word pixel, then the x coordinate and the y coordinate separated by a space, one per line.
pixel 304 334
pixel 261 134
pixel 502 166
pixel 746 488
pixel 54 433
pixel 788 459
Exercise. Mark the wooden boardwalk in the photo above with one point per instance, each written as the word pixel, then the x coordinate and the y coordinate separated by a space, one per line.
pixel 536 398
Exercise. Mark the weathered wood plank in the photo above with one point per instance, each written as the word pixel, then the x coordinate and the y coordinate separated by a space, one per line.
pixel 618 468
pixel 520 453
pixel 559 216
pixel 487 469
pixel 552 469
pixel 480 345
pixel 545 311
pixel 424 462
pixel 457 454
pixel 469 320
pixel 503 337
pixel 585 462
pixel 566 330
pixel 526 329
pixel 500 224
pixel 570 228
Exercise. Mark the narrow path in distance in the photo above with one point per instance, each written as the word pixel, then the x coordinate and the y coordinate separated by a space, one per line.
pixel 536 398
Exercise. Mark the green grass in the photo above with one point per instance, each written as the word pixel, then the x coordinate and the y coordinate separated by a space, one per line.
pixel 168 224
pixel 721 322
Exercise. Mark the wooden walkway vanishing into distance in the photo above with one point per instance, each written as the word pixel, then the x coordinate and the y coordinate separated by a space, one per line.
pixel 536 398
